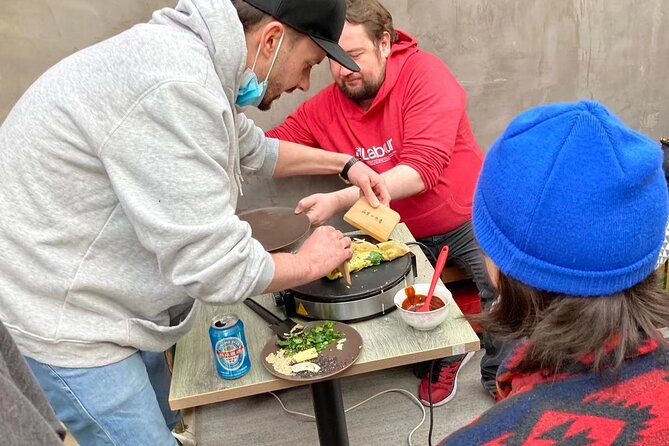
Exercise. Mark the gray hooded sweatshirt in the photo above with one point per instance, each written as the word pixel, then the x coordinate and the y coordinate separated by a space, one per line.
pixel 120 170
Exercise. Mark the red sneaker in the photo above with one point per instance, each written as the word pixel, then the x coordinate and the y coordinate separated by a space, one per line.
pixel 443 390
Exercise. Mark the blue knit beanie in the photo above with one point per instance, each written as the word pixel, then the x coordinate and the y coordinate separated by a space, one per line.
pixel 573 201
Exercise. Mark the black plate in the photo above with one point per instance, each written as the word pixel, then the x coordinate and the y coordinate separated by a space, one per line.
pixel 342 359
pixel 366 282
pixel 276 227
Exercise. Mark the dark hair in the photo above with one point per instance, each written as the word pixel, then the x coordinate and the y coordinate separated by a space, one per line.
pixel 561 329
pixel 249 15
pixel 373 16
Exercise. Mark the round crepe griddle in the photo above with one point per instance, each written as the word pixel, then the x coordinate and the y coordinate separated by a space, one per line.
pixel 276 227
pixel 364 283
pixel 342 359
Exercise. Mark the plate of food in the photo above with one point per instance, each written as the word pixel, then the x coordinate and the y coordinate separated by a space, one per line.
pixel 322 350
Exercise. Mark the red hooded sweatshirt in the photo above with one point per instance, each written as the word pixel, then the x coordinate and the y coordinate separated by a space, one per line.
pixel 418 119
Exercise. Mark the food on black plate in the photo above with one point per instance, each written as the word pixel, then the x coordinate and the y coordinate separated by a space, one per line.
pixel 318 337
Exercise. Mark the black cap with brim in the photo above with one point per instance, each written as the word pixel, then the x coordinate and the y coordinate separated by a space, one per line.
pixel 322 20
pixel 336 53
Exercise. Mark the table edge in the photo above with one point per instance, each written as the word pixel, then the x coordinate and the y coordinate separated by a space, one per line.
pixel 217 396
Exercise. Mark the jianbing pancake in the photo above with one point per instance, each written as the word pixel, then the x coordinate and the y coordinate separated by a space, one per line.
pixel 366 254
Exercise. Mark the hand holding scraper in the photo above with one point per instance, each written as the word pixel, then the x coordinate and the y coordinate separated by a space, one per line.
pixel 378 222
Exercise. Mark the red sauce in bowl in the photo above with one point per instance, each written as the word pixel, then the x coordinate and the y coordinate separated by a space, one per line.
pixel 415 301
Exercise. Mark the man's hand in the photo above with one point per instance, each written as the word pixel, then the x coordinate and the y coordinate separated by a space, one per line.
pixel 319 207
pixel 371 184
pixel 295 159
pixel 323 251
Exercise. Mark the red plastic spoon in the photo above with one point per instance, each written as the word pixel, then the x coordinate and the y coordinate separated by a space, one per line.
pixel 441 261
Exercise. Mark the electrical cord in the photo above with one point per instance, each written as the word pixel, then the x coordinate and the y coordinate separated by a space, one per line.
pixel 310 417
pixel 429 396
pixel 426 250
pixel 433 260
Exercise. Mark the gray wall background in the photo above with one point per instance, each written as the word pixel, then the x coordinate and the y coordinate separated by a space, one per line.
pixel 508 54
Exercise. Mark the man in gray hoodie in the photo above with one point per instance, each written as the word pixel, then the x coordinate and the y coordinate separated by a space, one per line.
pixel 119 177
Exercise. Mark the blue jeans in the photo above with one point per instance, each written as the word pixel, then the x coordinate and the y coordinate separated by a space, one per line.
pixel 124 403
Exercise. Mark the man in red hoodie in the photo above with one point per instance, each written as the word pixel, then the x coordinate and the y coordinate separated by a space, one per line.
pixel 404 115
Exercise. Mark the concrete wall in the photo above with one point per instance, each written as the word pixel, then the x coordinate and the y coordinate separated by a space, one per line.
pixel 508 54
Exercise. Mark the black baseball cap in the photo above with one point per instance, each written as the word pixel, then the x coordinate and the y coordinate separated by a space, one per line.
pixel 322 20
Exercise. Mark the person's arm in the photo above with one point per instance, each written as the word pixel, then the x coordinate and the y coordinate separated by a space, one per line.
pixel 321 253
pixel 299 152
pixel 257 152
pixel 295 159
pixel 167 177
pixel 431 121
pixel 296 128
pixel 402 181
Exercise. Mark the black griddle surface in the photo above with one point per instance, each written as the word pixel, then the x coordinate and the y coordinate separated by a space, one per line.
pixel 364 283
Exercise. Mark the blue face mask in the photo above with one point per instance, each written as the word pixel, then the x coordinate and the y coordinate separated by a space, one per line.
pixel 251 91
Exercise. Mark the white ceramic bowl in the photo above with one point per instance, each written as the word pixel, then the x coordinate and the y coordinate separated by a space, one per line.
pixel 429 319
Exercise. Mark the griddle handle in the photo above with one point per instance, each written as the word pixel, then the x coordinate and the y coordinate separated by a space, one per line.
pixel 414 265
pixel 263 312
pixel 278 299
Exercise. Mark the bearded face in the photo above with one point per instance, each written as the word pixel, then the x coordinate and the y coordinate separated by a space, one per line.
pixel 364 85
pixel 370 55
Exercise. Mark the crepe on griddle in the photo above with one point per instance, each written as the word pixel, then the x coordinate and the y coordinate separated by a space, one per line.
pixel 366 254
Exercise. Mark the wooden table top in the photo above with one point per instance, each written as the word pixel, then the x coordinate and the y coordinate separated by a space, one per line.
pixel 387 342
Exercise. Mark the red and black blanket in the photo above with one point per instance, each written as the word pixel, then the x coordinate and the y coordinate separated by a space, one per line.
pixel 577 407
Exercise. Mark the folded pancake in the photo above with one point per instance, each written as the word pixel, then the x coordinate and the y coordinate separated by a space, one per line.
pixel 392 249
pixel 359 245
pixel 366 254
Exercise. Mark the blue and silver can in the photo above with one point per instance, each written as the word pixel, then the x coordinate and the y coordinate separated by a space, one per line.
pixel 231 353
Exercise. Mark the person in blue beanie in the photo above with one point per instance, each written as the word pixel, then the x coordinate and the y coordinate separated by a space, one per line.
pixel 570 211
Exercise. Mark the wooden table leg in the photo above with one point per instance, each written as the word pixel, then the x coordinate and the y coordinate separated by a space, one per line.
pixel 329 412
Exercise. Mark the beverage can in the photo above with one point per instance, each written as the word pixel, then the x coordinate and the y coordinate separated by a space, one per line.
pixel 231 353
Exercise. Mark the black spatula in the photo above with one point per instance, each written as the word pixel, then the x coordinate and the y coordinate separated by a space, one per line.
pixel 284 328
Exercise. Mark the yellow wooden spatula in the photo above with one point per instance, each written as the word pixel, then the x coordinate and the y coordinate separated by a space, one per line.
pixel 377 222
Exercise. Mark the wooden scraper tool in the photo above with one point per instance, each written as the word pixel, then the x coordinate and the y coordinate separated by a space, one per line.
pixel 345 272
pixel 377 222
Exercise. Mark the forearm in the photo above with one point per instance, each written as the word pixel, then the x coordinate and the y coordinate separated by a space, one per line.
pixel 346 197
pixel 320 253
pixel 403 181
pixel 289 272
pixel 296 159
